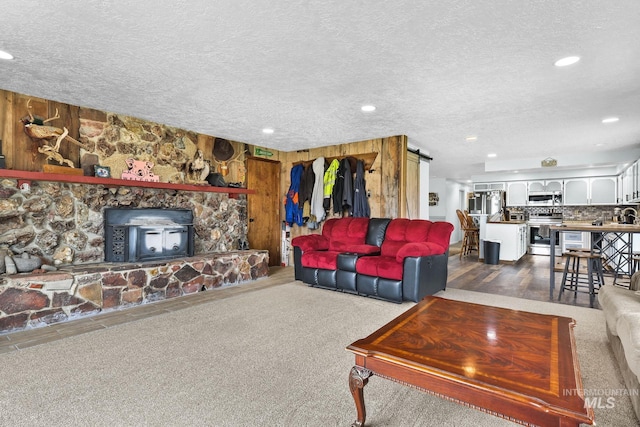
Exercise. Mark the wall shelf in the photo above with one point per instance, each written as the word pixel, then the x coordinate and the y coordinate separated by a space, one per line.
pixel 113 182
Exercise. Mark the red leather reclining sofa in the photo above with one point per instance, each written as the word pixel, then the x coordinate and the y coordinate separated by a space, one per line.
pixel 391 259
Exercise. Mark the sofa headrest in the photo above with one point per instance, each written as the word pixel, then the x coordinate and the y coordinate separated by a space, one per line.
pixel 350 229
pixel 377 230
pixel 403 230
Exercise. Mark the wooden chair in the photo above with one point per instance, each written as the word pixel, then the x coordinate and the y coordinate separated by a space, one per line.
pixel 471 238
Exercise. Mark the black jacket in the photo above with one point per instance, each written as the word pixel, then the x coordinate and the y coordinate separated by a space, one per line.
pixel 360 199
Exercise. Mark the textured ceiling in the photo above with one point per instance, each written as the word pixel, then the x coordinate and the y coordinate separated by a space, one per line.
pixel 436 71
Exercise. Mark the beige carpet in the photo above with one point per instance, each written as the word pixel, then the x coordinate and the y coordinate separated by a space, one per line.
pixel 274 357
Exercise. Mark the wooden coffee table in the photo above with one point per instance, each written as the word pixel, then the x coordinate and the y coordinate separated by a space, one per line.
pixel 513 364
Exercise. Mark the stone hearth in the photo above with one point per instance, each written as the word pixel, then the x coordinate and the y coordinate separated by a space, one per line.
pixel 37 299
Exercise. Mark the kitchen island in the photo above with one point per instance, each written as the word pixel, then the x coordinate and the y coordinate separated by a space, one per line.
pixel 614 241
pixel 512 236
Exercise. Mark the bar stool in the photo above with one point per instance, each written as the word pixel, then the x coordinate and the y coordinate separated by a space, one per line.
pixel 577 279
pixel 470 239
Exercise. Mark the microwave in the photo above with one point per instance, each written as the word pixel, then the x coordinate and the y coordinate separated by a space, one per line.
pixel 545 199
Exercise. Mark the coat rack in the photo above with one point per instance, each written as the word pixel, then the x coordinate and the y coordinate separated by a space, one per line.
pixel 367 158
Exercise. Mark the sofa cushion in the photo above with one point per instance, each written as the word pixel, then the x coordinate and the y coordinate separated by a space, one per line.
pixel 419 249
pixel 327 260
pixel 353 248
pixel 382 266
pixel 615 302
pixel 628 328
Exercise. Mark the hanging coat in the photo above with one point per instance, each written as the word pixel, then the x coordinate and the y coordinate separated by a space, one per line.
pixel 292 207
pixel 337 190
pixel 329 182
pixel 360 199
pixel 347 187
pixel 306 189
pixel 306 184
pixel 317 208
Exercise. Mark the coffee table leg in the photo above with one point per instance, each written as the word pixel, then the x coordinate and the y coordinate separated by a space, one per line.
pixel 358 378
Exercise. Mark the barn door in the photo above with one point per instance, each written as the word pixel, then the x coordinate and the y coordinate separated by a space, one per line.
pixel 413 186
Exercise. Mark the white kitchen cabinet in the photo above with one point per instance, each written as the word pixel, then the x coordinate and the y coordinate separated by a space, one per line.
pixel 488 186
pixel 554 185
pixel 546 186
pixel 620 189
pixel 631 184
pixel 603 190
pixel 517 193
pixel 590 191
pixel 576 191
pixel 512 237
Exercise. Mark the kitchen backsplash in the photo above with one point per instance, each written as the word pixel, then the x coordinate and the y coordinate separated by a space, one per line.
pixel 573 213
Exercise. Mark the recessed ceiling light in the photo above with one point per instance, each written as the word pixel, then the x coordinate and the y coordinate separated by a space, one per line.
pixel 5 55
pixel 471 138
pixel 268 131
pixel 492 155
pixel 368 108
pixel 610 120
pixel 569 60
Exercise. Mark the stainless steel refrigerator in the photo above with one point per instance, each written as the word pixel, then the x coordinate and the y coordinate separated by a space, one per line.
pixel 487 202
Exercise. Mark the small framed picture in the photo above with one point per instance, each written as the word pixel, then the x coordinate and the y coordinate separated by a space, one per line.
pixel 102 171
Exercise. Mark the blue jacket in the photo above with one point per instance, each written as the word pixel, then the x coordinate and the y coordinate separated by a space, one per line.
pixel 292 205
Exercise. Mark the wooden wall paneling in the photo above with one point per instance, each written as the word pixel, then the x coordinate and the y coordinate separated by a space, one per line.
pixel 7 119
pixel 373 179
pixel 402 188
pixel 391 184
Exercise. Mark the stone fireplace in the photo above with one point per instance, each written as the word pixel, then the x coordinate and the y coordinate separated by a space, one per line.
pixel 54 217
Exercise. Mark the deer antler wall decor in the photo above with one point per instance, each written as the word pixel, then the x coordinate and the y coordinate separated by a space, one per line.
pixel 36 128
pixel 224 154
pixel 223 165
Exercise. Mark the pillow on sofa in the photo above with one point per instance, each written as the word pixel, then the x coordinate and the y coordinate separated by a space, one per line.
pixel 419 249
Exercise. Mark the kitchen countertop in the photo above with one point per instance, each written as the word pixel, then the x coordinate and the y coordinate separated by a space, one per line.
pixel 607 227
pixel 507 222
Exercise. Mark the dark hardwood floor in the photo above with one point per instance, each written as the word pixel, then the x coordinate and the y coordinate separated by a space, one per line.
pixel 528 279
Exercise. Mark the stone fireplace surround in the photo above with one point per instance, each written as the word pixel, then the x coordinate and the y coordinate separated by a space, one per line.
pixel 56 216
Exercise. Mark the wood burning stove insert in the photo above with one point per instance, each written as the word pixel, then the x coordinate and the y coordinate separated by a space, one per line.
pixel 144 234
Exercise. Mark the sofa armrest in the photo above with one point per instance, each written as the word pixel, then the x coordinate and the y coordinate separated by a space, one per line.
pixel 311 242
pixel 419 249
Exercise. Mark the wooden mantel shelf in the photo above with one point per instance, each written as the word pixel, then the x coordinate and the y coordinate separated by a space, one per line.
pixel 112 182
